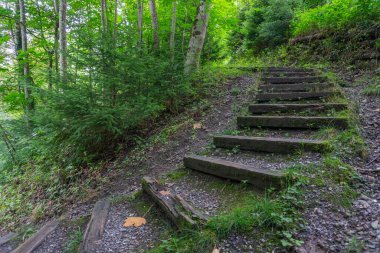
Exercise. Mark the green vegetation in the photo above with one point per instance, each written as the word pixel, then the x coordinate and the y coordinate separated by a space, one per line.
pixel 336 15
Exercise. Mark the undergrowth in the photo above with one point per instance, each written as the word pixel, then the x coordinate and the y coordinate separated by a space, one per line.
pixel 40 187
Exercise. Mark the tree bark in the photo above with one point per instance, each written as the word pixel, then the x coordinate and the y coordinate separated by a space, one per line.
pixel 63 41
pixel 115 21
pixel 172 33
pixel 198 35
pixel 104 16
pixel 18 47
pixel 153 12
pixel 56 36
pixel 26 72
pixel 140 20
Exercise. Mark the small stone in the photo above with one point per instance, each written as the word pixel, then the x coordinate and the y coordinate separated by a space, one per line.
pixel 375 224
pixel 364 204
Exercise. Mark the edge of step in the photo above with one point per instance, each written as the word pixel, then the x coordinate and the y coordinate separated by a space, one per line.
pixel 270 144
pixel 297 122
pixel 264 97
pixel 33 242
pixel 266 108
pixel 95 227
pixel 218 167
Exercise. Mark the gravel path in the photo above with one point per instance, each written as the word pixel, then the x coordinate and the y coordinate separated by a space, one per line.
pixel 336 230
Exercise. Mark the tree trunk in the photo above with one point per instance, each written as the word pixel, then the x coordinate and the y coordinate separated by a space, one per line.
pixel 198 35
pixel 172 33
pixel 104 17
pixel 140 20
pixel 63 41
pixel 153 13
pixel 115 21
pixel 18 47
pixel 26 72
pixel 56 36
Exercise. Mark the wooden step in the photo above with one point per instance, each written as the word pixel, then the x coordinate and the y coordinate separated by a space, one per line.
pixel 308 79
pixel 180 212
pixel 33 242
pixel 289 74
pixel 236 171
pixel 287 69
pixel 269 144
pixel 268 108
pixel 95 227
pixel 291 122
pixel 7 238
pixel 302 87
pixel 291 96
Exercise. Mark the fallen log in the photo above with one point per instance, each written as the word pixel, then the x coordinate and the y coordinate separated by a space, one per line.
pixel 95 227
pixel 181 213
pixel 33 242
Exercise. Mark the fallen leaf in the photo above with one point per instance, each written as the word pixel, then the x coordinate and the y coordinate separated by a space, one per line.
pixel 215 250
pixel 165 193
pixel 134 222
pixel 197 126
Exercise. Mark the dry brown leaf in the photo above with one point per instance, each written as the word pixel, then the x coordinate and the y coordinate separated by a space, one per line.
pixel 197 126
pixel 215 250
pixel 165 193
pixel 134 222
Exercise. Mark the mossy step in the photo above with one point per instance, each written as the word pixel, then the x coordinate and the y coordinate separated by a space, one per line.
pixel 287 69
pixel 270 144
pixel 95 227
pixel 264 97
pixel 269 108
pixel 298 79
pixel 297 122
pixel 33 242
pixel 236 171
pixel 289 74
pixel 303 87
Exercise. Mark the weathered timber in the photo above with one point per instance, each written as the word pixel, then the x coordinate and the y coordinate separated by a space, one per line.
pixel 289 74
pixel 95 227
pixel 291 96
pixel 236 171
pixel 291 122
pixel 270 108
pixel 294 87
pixel 180 212
pixel 33 242
pixel 7 238
pixel 305 79
pixel 286 69
pixel 269 144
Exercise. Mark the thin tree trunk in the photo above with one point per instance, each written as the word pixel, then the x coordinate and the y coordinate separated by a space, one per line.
pixel 115 21
pixel 56 36
pixel 18 47
pixel 153 13
pixel 26 77
pixel 104 17
pixel 183 35
pixel 172 33
pixel 140 20
pixel 63 41
pixel 198 35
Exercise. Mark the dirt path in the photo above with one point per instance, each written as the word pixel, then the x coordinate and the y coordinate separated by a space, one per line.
pixel 328 229
pixel 356 229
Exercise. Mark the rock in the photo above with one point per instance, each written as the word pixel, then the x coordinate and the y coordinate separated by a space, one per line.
pixel 375 224
pixel 363 204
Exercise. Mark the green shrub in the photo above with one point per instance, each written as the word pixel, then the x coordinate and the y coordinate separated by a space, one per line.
pixel 336 15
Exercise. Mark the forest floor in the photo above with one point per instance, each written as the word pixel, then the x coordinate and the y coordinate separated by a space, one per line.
pixel 328 228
